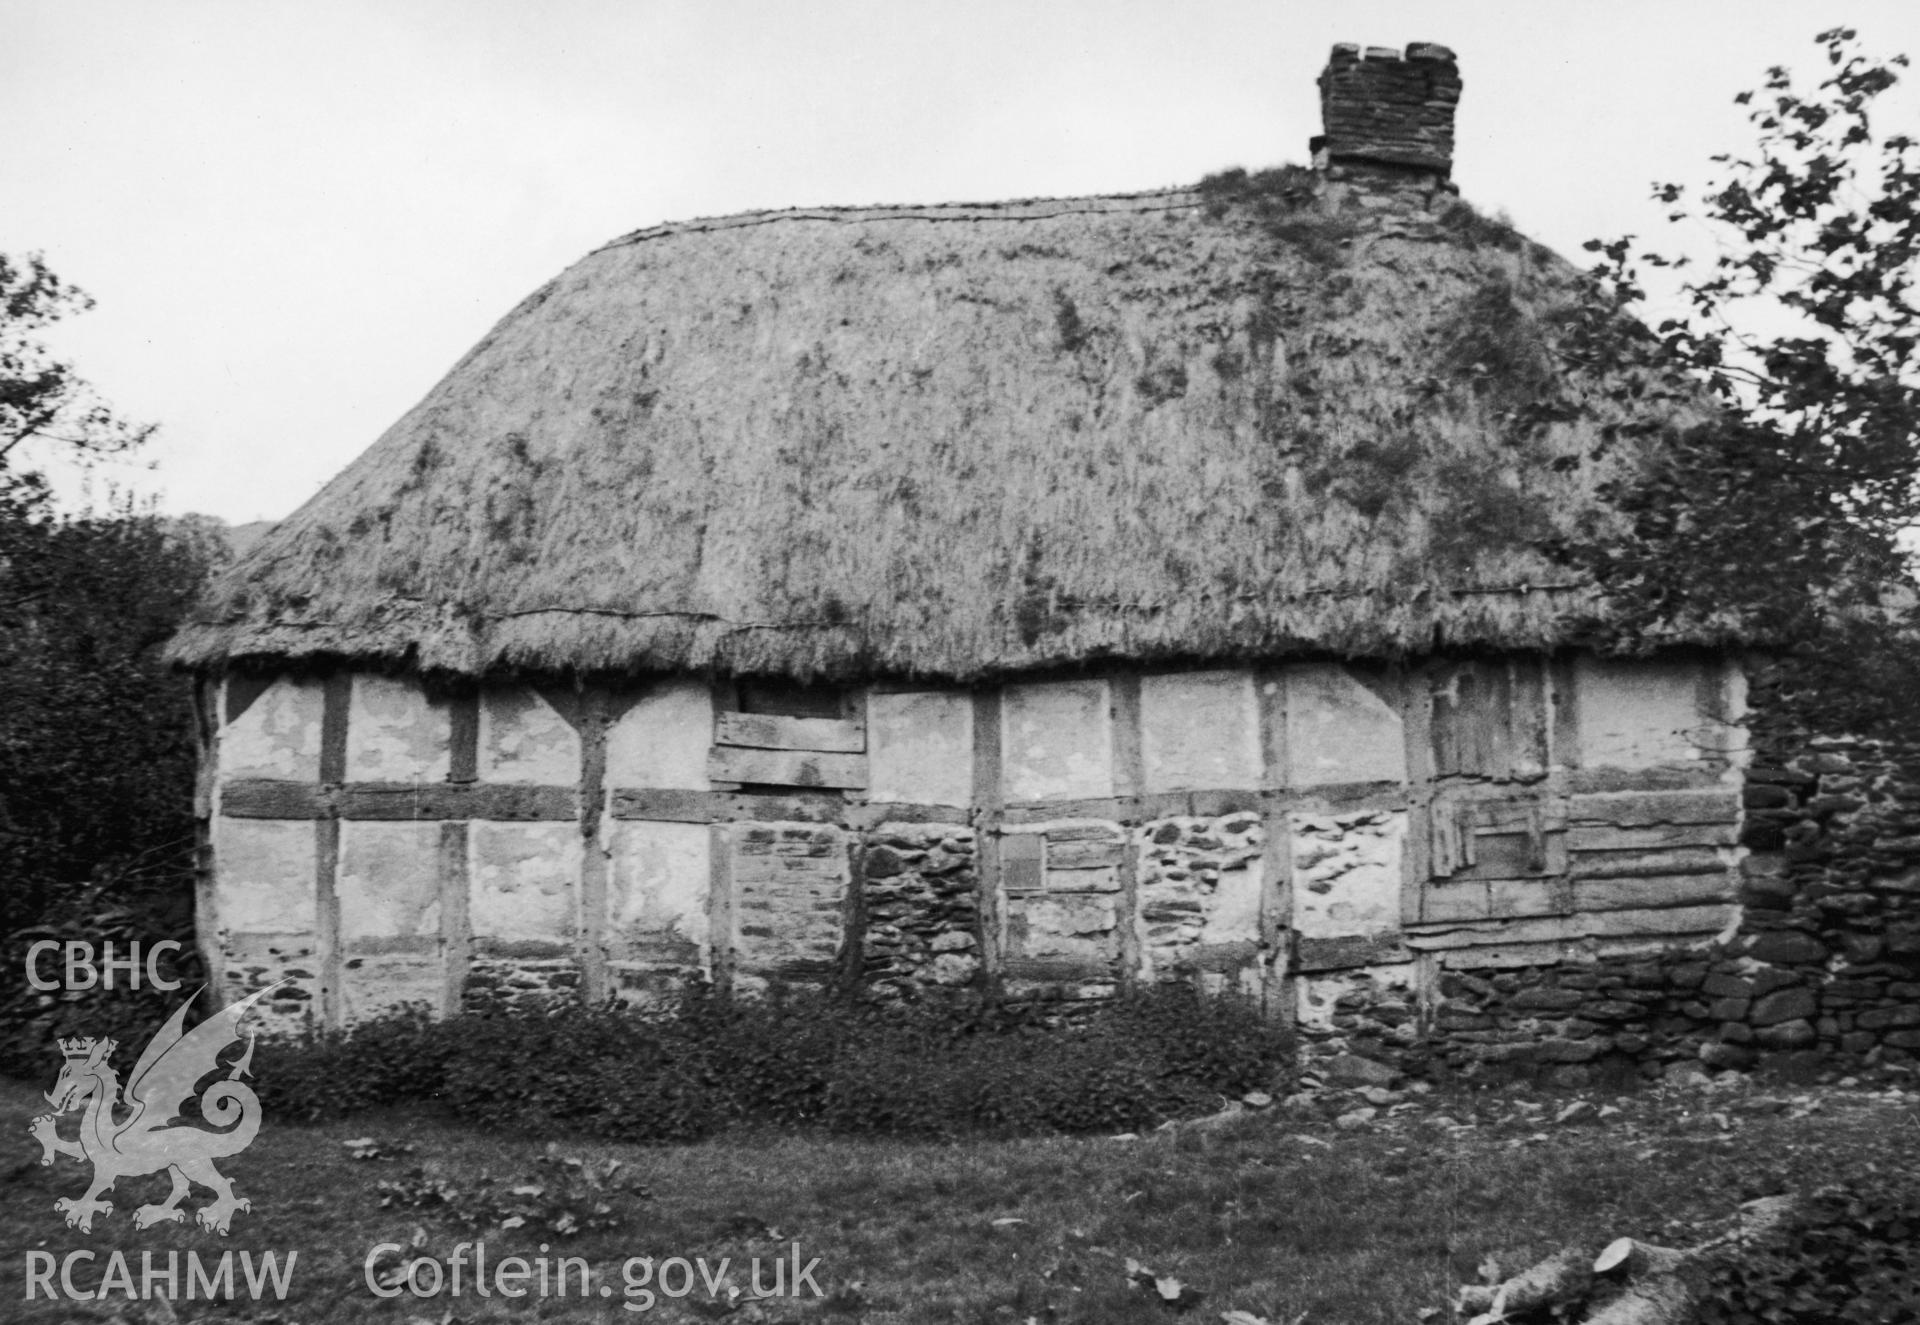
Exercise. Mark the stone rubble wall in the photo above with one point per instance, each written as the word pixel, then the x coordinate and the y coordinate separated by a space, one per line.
pixel 517 976
pixel 1824 965
pixel 919 893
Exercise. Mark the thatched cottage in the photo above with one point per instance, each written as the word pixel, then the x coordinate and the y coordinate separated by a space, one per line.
pixel 1057 595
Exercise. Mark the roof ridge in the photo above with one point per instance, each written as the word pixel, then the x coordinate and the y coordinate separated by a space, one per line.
pixel 1171 198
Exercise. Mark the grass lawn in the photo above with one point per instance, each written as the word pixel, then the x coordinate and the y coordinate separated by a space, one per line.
pixel 1278 1213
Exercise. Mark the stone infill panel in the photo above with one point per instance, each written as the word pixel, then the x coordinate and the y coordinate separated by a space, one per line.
pixel 1200 890
pixel 920 911
pixel 789 901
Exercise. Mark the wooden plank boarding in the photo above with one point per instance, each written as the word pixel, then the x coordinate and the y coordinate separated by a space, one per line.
pixel 767 732
pixel 1654 891
pixel 1490 719
pixel 1515 856
pixel 786 768
pixel 1692 919
pixel 1634 809
pixel 1652 837
pixel 1452 841
pixel 1650 864
pixel 1528 695
pixel 1466 900
pixel 1667 777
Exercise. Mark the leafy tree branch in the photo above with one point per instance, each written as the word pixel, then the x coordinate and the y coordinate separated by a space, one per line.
pixel 1780 513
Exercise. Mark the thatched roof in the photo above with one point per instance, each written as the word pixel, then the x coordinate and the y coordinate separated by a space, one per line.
pixel 1265 417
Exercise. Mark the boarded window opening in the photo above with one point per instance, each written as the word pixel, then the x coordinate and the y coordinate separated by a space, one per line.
pixel 776 736
pixel 789 699
pixel 1491 858
pixel 1490 719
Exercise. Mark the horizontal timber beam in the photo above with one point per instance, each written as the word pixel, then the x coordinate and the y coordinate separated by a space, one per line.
pixel 263 798
pixel 1554 929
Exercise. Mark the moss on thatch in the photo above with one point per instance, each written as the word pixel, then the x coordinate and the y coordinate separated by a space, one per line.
pixel 1259 418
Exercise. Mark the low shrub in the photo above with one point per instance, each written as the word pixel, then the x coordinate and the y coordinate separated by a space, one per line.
pixel 792 1059
pixel 402 1056
pixel 1852 1254
pixel 121 905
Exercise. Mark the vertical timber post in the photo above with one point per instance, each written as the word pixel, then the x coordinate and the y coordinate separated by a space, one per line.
pixel 1276 858
pixel 337 697
pixel 207 699
pixel 859 826
pixel 988 801
pixel 453 860
pixel 720 917
pixel 591 946
pixel 1416 725
pixel 853 914
pixel 463 736
pixel 456 933
pixel 1129 784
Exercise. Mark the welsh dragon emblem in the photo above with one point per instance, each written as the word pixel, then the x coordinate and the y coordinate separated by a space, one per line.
pixel 144 1133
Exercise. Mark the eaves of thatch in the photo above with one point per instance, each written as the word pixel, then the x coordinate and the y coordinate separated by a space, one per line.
pixel 1275 418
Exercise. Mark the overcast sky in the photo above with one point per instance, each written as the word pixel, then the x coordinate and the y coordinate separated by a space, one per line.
pixel 295 217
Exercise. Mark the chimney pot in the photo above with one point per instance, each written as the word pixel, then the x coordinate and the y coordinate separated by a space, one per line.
pixel 1385 112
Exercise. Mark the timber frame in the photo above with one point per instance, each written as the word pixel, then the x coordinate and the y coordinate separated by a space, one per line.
pixel 1509 847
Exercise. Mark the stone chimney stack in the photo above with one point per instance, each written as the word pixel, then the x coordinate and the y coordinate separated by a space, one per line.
pixel 1383 110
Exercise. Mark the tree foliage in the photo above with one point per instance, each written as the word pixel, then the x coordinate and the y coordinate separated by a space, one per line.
pixel 42 398
pixel 1779 512
pixel 96 757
